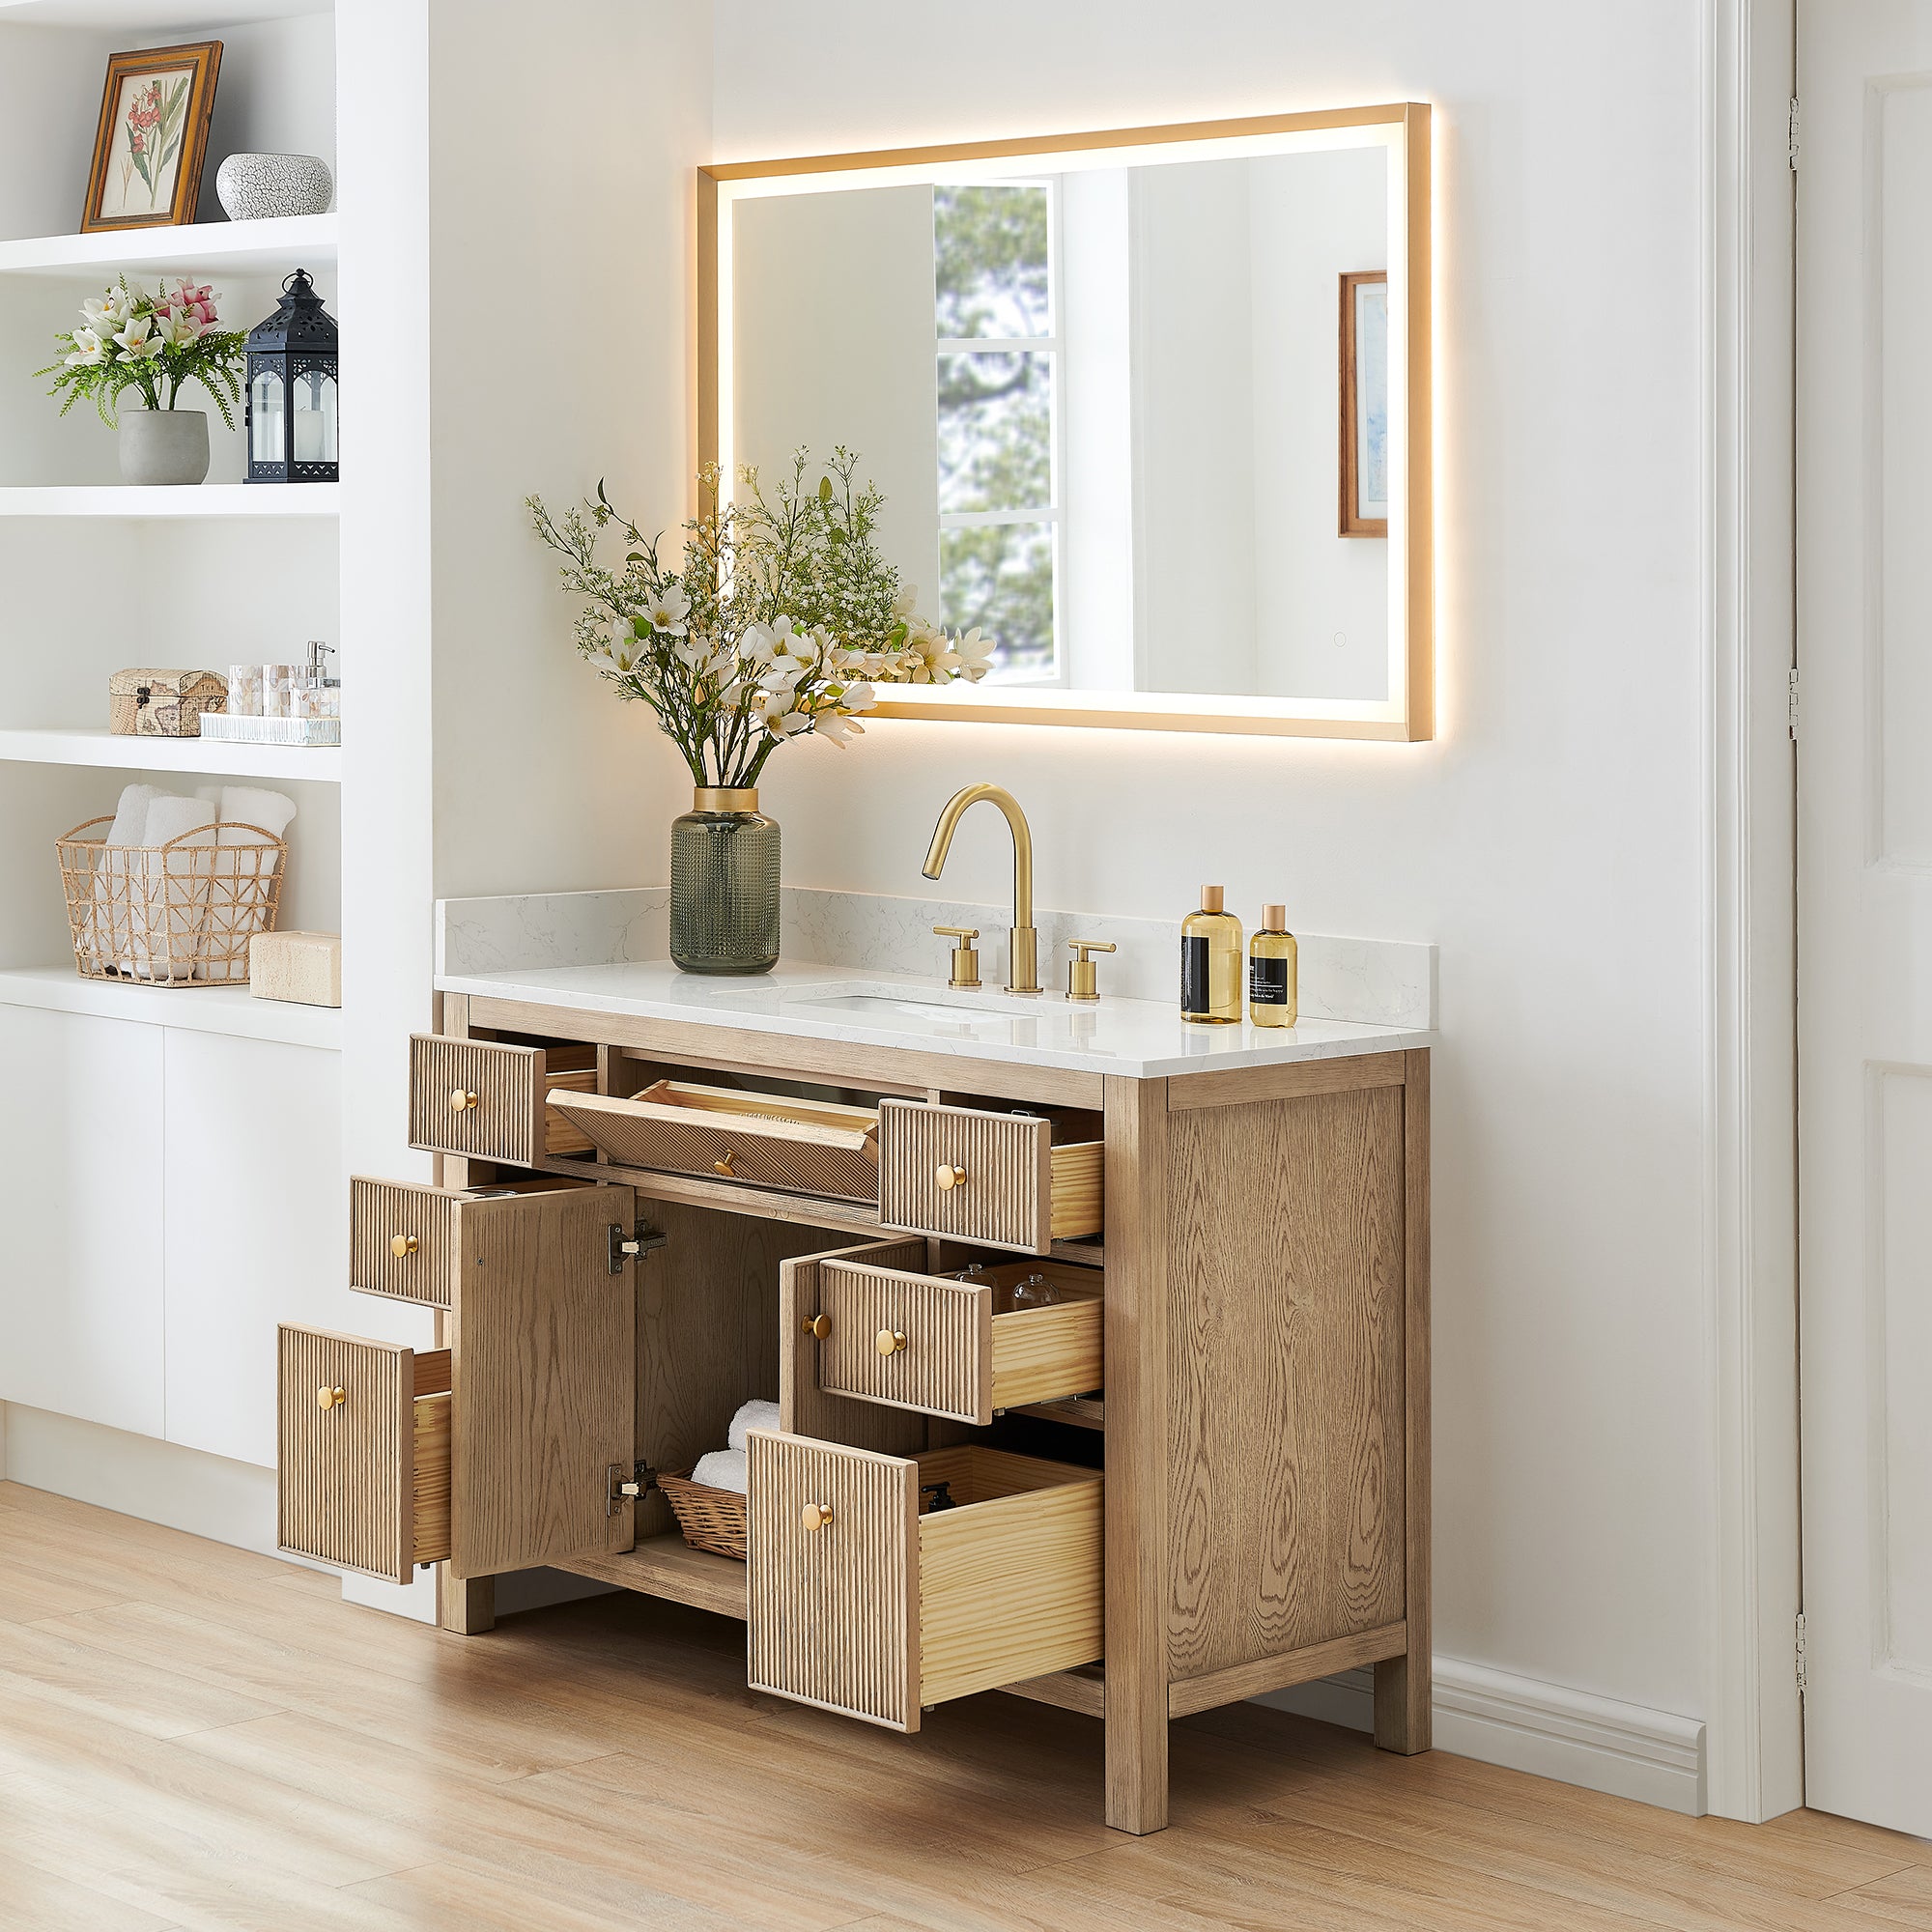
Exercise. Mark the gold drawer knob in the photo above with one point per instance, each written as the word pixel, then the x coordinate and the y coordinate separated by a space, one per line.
pixel 724 1165
pixel 815 1516
pixel 331 1398
pixel 890 1341
pixel 403 1244
pixel 819 1325
pixel 460 1100
pixel 950 1177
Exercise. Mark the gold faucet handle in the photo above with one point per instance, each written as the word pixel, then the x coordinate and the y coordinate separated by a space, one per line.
pixel 965 954
pixel 1083 977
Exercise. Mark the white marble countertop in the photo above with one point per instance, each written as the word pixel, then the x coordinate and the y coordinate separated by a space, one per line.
pixel 1137 1039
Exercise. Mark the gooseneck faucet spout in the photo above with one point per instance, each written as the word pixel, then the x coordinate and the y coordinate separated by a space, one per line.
pixel 1022 941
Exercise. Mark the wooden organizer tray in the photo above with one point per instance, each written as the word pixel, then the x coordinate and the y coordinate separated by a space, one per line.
pixel 801 1147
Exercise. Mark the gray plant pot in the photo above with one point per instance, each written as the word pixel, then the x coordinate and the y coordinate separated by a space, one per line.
pixel 163 445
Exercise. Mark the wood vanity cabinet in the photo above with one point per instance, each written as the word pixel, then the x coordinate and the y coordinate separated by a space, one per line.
pixel 1201 1473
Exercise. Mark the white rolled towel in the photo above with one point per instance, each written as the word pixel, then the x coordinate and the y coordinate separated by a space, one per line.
pixel 168 937
pixel 754 1416
pixel 109 939
pixel 722 1470
pixel 240 805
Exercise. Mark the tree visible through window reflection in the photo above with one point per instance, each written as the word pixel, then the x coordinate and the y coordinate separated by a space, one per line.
pixel 993 286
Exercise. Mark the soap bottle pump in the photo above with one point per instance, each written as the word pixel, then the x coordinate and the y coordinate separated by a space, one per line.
pixel 1210 963
pixel 1275 997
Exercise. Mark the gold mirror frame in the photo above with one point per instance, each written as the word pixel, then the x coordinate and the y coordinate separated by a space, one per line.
pixel 1408 713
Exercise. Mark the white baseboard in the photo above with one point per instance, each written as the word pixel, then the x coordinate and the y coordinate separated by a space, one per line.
pixel 1545 1729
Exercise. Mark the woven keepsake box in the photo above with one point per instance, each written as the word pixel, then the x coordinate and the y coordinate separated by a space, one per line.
pixel 162 703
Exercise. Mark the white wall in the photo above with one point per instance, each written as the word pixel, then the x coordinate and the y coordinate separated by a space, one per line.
pixel 1547 839
pixel 834 345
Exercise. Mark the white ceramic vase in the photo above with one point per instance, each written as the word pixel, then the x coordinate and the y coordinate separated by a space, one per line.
pixel 163 445
pixel 259 187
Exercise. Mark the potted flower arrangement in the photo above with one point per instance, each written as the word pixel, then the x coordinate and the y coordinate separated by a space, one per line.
pixel 778 622
pixel 154 344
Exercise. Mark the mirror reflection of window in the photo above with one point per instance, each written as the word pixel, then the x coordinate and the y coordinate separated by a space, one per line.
pixel 998 362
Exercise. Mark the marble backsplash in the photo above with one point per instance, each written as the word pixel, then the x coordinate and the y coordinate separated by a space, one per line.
pixel 1376 981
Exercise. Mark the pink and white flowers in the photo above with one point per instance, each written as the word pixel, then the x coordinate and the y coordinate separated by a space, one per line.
pixel 154 343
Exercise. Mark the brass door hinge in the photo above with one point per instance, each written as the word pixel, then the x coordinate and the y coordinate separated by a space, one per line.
pixel 1802 1686
pixel 640 1241
pixel 620 1489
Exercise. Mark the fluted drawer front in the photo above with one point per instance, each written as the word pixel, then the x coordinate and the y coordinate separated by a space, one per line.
pixel 974 1175
pixel 359 1477
pixel 884 1331
pixel 399 1241
pixel 879 1612
pixel 832 1610
pixel 940 1332
pixel 474 1099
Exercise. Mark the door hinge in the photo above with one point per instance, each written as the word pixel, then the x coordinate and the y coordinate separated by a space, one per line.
pixel 620 1489
pixel 641 1241
pixel 1791 703
pixel 1791 135
pixel 1802 1686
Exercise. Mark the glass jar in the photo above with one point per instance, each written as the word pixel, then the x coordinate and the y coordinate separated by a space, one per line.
pixel 724 884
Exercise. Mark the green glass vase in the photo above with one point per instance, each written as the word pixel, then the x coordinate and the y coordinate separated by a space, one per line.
pixel 724 884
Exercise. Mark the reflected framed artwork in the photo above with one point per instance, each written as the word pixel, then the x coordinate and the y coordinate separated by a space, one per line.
pixel 153 137
pixel 1365 405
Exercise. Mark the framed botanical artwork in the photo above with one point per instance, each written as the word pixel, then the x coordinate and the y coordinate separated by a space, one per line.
pixel 152 136
pixel 1365 404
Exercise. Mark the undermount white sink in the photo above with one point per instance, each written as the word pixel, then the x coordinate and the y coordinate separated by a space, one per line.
pixel 936 1010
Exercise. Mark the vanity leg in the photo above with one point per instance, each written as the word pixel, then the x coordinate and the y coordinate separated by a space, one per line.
pixel 1405 1685
pixel 466 1605
pixel 1136 1453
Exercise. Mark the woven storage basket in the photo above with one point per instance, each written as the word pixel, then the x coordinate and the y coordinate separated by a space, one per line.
pixel 175 915
pixel 711 1520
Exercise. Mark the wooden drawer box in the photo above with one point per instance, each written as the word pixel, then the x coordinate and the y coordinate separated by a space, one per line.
pixel 364 1435
pixel 996 1178
pixel 483 1101
pixel 805 1147
pixel 888 1334
pixel 860 1605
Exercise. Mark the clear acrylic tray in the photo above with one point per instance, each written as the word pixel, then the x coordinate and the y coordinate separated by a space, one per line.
pixel 220 725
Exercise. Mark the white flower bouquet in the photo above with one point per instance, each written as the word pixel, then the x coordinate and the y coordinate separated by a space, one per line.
pixel 152 343
pixel 781 621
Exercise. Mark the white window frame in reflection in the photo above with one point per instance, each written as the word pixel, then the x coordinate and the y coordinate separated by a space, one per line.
pixel 1053 345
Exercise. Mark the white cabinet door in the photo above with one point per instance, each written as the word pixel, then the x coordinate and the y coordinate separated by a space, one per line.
pixel 1864 903
pixel 80 1216
pixel 257 1232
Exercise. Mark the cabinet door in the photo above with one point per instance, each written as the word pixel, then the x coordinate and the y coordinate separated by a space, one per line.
pixel 543 1339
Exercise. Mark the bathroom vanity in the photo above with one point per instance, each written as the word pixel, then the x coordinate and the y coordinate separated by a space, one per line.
pixel 1201 1474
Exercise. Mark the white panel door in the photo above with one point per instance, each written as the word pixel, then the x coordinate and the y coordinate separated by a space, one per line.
pixel 80 1216
pixel 1864 891
pixel 257 1232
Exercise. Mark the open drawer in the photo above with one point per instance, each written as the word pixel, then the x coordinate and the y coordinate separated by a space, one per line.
pixel 673 1126
pixel 971 1175
pixel 862 1605
pixel 487 1100
pixel 364 1435
pixel 885 1332
pixel 402 1236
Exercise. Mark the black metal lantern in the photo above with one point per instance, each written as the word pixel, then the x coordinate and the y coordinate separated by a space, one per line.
pixel 292 390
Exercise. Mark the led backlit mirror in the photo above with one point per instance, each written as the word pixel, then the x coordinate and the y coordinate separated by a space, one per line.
pixel 1150 407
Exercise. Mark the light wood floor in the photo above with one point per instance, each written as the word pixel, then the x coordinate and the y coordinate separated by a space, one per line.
pixel 194 1736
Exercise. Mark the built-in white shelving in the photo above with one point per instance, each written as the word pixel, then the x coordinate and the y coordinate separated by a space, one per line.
pixel 170 499
pixel 149 17
pixel 112 751
pixel 301 241
pixel 224 1009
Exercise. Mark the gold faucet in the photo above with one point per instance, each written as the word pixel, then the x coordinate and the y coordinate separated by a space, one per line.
pixel 1022 941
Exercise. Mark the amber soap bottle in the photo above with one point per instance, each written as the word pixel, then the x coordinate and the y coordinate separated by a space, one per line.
pixel 1210 963
pixel 1273 995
